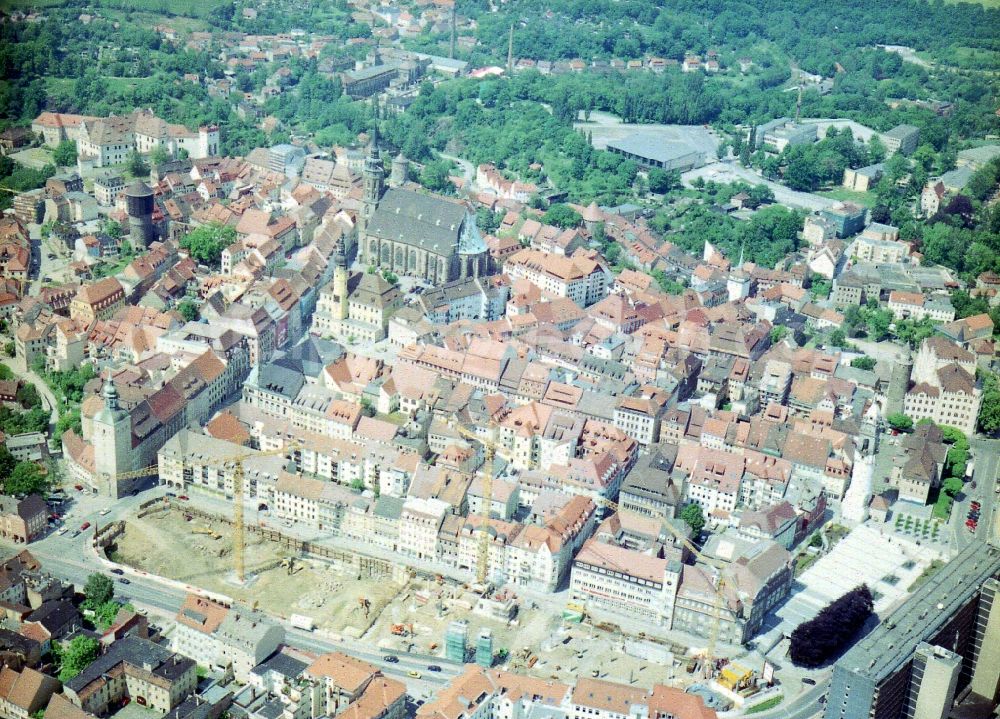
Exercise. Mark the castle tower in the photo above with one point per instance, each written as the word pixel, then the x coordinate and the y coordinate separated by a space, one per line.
pixel 340 284
pixel 112 440
pixel 738 284
pixel 400 172
pixel 139 206
pixel 899 382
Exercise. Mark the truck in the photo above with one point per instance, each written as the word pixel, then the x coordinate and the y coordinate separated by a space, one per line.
pixel 301 621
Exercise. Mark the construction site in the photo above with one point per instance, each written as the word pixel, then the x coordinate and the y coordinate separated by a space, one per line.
pixel 390 607
pixel 340 594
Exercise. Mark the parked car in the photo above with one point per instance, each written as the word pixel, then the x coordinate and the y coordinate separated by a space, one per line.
pixel 85 526
pixel 184 497
pixel 975 505
pixel 171 494
pixel 117 571
pixel 78 487
pixel 124 580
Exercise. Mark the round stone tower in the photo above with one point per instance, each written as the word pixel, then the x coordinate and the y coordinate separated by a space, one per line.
pixel 899 382
pixel 139 206
pixel 400 171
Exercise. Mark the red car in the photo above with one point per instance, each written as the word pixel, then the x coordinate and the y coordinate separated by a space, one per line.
pixel 184 497
pixel 975 505
pixel 85 526
pixel 78 487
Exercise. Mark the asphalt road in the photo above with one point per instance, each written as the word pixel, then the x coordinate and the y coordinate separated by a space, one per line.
pixel 986 453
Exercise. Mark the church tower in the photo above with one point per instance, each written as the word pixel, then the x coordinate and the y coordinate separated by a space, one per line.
pixel 373 176
pixel 112 440
pixel 340 284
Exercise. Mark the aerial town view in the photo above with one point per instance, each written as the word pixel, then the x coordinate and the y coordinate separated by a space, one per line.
pixel 499 359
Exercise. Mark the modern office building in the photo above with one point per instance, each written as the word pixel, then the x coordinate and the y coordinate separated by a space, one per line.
pixel 898 670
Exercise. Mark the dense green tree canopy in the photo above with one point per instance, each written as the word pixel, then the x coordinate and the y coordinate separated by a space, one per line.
pixel 207 242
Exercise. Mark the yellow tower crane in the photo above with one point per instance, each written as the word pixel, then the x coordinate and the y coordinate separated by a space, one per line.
pixel 719 589
pixel 239 529
pixel 490 450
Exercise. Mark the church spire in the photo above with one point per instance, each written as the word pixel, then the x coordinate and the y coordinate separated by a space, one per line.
pixel 110 393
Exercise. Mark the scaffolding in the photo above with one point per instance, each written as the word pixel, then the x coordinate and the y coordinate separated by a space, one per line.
pixel 456 638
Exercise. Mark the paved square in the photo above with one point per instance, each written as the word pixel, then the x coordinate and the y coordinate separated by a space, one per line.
pixel 863 557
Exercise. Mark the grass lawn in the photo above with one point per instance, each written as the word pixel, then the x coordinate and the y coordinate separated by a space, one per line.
pixel 942 507
pixel 765 705
pixel 804 561
pixel 836 532
pixel 36 157
pixel 866 199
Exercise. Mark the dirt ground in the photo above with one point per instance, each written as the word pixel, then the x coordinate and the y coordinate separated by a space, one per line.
pixel 431 607
pixel 164 543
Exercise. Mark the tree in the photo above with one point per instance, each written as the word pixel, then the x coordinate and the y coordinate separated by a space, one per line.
pixel 206 243
pixel 866 363
pixel 159 155
pixel 778 333
pixel 136 164
pixel 65 153
pixel 358 484
pixel 114 229
pixel 562 215
pixel 876 150
pixel 188 310
pixel 367 408
pixel 661 181
pixel 7 463
pixel 693 515
pixel 989 409
pixel 760 195
pixel 487 220
pixel 26 478
pixel 838 338
pixel 98 590
pixel 28 397
pixel 435 177
pixel 815 642
pixel 899 422
pixel 79 655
